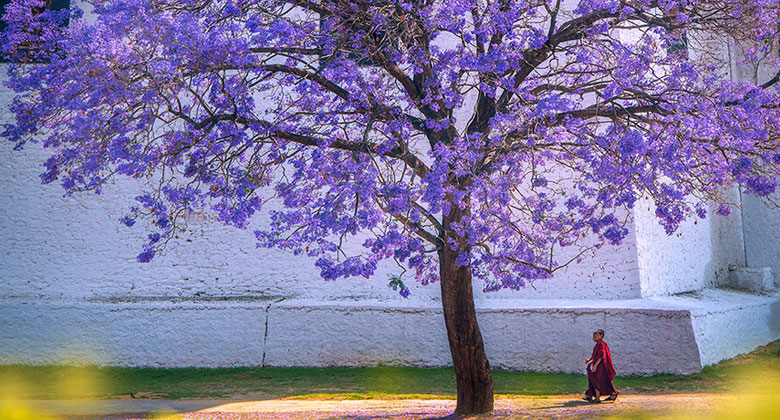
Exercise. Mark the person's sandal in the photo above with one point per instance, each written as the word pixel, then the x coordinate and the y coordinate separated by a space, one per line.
pixel 611 398
pixel 588 398
pixel 595 401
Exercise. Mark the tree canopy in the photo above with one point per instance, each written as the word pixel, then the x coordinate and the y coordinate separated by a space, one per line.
pixel 491 132
pixel 380 115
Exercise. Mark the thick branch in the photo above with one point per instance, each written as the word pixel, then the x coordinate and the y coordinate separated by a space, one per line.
pixel 287 50
pixel 769 83
pixel 397 152
pixel 569 31
pixel 591 112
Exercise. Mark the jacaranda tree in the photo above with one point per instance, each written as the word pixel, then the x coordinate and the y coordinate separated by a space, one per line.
pixel 464 138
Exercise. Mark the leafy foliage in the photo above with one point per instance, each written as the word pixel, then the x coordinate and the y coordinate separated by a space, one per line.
pixel 543 125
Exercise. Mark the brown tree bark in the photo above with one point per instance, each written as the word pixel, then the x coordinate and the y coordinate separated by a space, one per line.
pixel 472 369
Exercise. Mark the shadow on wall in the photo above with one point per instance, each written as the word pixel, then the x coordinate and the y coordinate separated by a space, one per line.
pixel 727 243
pixel 774 318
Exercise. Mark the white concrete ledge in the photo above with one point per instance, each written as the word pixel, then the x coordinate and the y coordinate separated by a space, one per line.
pixel 133 332
pixel 675 334
pixel 550 336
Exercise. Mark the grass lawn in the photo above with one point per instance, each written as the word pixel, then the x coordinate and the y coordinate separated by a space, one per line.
pixel 56 382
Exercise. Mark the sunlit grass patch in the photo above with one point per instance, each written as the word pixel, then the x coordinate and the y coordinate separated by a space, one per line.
pixel 752 384
pixel 92 382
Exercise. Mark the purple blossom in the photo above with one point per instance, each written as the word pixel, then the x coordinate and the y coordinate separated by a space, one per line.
pixel 742 166
pixel 146 256
pixel 762 186
pixel 723 210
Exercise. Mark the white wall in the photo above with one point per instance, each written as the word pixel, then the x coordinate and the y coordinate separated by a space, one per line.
pixel 677 334
pixel 761 216
pixel 762 224
pixel 696 256
pixel 76 246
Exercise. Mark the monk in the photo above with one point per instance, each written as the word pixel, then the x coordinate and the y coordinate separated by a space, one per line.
pixel 600 371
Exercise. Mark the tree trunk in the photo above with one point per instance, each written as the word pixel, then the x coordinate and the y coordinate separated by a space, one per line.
pixel 472 369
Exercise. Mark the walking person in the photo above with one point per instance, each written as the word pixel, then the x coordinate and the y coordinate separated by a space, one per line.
pixel 601 371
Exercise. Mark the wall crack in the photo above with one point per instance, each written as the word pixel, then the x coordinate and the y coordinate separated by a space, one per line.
pixel 265 331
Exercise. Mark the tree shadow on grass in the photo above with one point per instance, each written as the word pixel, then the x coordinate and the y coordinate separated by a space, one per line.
pixel 567 404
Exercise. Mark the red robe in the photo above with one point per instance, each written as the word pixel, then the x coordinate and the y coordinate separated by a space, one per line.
pixel 601 378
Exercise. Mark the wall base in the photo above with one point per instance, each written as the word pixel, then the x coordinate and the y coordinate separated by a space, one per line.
pixel 674 334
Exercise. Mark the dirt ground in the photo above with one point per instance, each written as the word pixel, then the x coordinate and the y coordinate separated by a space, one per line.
pixel 677 406
pixel 557 407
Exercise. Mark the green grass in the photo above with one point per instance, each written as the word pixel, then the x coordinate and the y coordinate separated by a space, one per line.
pixel 55 382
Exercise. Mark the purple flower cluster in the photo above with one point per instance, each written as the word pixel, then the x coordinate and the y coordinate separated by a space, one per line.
pixel 502 130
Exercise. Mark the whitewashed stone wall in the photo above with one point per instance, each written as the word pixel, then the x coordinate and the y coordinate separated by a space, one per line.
pixel 71 291
pixel 761 216
pixel 672 334
pixel 55 246
pixel 697 256
pixel 762 226
pixel 59 246
pixel 738 324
